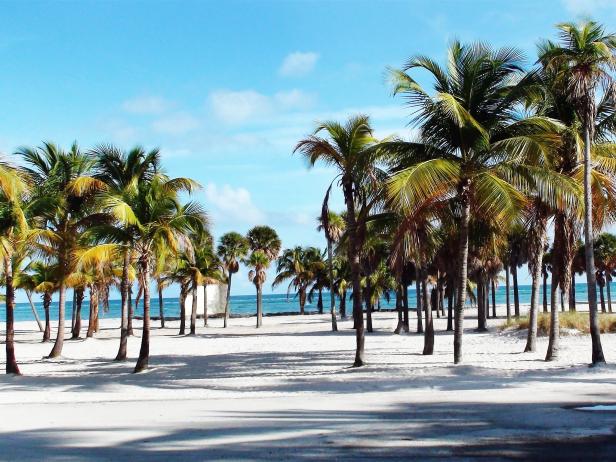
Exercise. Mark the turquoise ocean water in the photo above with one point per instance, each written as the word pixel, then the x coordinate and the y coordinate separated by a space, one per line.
pixel 246 304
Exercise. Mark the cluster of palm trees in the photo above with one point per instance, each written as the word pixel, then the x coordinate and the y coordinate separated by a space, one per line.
pixel 501 154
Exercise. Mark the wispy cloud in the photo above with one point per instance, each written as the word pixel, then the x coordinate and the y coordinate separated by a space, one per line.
pixel 232 205
pixel 589 7
pixel 146 105
pixel 298 64
pixel 234 107
pixel 178 123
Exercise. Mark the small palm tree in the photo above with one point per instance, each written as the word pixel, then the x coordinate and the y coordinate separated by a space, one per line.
pixel 264 245
pixel 233 247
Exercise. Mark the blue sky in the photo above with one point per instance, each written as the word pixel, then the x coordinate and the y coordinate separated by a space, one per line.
pixel 226 89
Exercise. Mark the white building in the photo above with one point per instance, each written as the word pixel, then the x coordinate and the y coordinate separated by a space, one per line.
pixel 212 295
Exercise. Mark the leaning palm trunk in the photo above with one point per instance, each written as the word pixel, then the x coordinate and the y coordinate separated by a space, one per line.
pixel 34 312
pixel 124 289
pixel 536 246
pixel 462 273
pixel 554 343
pixel 11 362
pixel 516 293
pixel 332 295
pixel 597 350
pixel 193 312
pixel 92 316
pixel 59 343
pixel 226 319
pixel 144 352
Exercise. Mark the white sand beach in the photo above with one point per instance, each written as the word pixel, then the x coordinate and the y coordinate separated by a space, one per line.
pixel 286 392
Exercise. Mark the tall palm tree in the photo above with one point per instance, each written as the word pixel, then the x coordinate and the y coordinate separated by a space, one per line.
pixel 264 246
pixel 122 172
pixel 14 232
pixel 232 248
pixel 470 138
pixel 161 218
pixel 63 205
pixel 350 148
pixel 583 61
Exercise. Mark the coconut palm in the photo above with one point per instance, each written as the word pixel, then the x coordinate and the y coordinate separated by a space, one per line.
pixel 160 218
pixel 264 246
pixel 582 61
pixel 42 277
pixel 63 205
pixel 471 138
pixel 332 226
pixel 350 148
pixel 605 259
pixel 300 265
pixel 232 248
pixel 14 231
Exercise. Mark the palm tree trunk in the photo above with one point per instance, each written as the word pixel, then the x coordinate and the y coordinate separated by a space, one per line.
pixel 320 301
pixel 259 306
pixel 481 305
pixel 91 317
pixel 516 293
pixel 144 351
pixel 400 324
pixel 531 339
pixel 343 298
pixel 73 314
pixel 449 305
pixel 353 256
pixel 572 293
pixel 601 294
pixel 129 323
pixel 429 334
pixel 462 274
pixel 419 304
pixel 608 278
pixel 59 343
pixel 368 307
pixel 183 291
pixel 226 319
pixel 302 301
pixel 507 293
pixel 554 343
pixel 79 302
pixel 545 291
pixel 487 294
pixel 332 295
pixel 34 312
pixel 11 361
pixel 405 307
pixel 597 349
pixel 193 312
pixel 205 305
pixel 493 299
pixel 46 305
pixel 161 307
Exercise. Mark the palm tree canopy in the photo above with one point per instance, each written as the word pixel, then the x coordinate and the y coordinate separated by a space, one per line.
pixel 265 239
pixel 232 248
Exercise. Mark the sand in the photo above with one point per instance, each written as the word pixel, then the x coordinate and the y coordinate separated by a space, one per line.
pixel 286 392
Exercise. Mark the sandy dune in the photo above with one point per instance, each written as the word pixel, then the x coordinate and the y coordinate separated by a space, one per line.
pixel 286 392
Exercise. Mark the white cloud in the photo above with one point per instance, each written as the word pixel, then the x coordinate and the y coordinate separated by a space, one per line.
pixel 298 63
pixel 176 124
pixel 146 105
pixel 588 7
pixel 235 107
pixel 228 204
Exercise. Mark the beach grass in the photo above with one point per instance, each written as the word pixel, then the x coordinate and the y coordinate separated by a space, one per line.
pixel 568 320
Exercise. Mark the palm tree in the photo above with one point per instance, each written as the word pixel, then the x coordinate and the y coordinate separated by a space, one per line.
pixel 605 258
pixel 14 232
pixel 42 278
pixel 264 246
pixel 332 226
pixel 160 218
pixel 350 148
pixel 582 61
pixel 63 196
pixel 122 172
pixel 233 247
pixel 471 137
pixel 300 265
